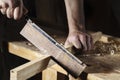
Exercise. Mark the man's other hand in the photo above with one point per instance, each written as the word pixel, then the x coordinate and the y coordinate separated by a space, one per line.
pixel 12 8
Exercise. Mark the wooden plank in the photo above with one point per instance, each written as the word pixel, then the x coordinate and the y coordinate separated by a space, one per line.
pixel 49 74
pixel 23 50
pixel 29 69
pixel 49 46
pixel 52 74
pixel 29 52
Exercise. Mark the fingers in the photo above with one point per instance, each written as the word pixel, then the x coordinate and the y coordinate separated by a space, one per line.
pixel 80 40
pixel 89 42
pixel 3 11
pixel 73 41
pixel 86 41
pixel 67 44
pixel 18 13
pixel 83 42
pixel 3 8
pixel 77 43
pixel 13 9
pixel 10 12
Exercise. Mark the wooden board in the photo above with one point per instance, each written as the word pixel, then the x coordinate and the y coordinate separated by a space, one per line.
pixel 24 49
pixel 49 74
pixel 29 69
pixel 30 52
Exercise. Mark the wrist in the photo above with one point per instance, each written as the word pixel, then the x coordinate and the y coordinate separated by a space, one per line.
pixel 76 27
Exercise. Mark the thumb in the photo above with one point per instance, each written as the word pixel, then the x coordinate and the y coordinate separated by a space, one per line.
pixel 67 44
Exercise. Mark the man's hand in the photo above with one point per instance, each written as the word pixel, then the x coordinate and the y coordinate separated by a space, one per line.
pixel 76 22
pixel 12 8
pixel 80 40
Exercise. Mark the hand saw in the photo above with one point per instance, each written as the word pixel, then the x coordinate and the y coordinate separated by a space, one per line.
pixel 49 46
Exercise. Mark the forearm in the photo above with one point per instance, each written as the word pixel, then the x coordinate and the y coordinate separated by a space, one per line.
pixel 75 15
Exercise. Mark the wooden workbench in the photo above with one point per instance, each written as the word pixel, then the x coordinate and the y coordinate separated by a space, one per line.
pixel 99 67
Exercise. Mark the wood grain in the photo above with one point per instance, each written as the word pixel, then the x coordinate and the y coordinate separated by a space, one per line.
pixel 49 74
pixel 23 50
pixel 29 69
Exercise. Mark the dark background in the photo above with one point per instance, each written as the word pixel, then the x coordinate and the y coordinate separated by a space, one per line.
pixel 101 15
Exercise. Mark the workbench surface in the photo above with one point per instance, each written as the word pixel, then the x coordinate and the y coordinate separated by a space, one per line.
pixel 105 67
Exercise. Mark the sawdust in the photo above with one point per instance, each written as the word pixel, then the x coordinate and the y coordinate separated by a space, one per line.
pixel 101 48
